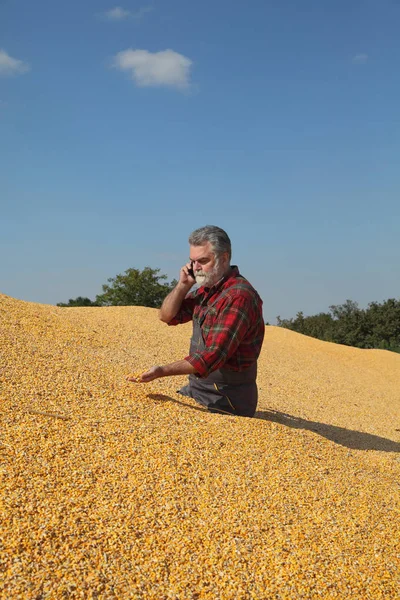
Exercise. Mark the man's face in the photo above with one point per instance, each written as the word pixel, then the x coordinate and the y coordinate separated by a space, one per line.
pixel 207 268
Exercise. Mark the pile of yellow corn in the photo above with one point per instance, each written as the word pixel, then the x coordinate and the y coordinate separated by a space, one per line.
pixel 110 489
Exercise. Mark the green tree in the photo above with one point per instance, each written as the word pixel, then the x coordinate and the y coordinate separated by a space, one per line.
pixel 286 323
pixel 384 325
pixel 79 301
pixel 319 326
pixel 136 288
pixel 351 324
pixel 378 326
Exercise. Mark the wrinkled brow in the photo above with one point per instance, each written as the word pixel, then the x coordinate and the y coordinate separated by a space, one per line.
pixel 202 258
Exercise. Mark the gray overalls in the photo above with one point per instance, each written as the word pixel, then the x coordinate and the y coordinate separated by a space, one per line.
pixel 224 390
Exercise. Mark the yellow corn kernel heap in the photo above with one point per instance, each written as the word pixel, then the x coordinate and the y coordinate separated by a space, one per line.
pixel 113 490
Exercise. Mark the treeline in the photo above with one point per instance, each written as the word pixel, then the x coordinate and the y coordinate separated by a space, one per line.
pixel 377 326
pixel 131 288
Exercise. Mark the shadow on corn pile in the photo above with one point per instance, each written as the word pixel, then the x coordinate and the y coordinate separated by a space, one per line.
pixel 356 440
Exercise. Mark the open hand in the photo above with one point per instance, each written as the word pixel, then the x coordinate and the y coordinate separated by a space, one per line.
pixel 153 373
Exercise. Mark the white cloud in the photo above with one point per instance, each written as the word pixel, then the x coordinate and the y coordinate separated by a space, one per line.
pixel 120 14
pixel 117 14
pixel 360 59
pixel 11 66
pixel 165 68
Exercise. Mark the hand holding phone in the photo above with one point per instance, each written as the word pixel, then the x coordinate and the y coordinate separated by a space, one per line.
pixel 190 271
pixel 186 276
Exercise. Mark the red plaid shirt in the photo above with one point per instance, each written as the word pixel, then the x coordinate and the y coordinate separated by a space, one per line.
pixel 231 320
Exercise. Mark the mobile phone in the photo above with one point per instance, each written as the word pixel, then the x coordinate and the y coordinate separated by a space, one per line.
pixel 190 271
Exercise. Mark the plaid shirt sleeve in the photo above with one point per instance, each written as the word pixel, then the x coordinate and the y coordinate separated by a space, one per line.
pixel 185 312
pixel 227 331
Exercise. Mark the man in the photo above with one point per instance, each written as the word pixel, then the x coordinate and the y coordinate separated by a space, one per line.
pixel 228 328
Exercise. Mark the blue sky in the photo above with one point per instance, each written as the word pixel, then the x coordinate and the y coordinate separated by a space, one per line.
pixel 124 126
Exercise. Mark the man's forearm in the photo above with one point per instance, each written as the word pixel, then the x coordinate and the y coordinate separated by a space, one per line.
pixel 172 303
pixel 180 367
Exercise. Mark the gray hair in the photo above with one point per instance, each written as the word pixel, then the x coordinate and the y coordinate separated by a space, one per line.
pixel 217 237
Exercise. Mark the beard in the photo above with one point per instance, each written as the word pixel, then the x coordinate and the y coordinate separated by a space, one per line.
pixel 211 277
